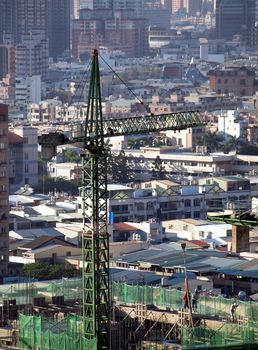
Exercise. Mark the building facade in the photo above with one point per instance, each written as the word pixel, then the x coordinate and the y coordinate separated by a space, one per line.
pixel 4 183
pixel 165 200
pixel 23 149
pixel 237 80
pixel 117 28
pixel 8 15
pixel 58 27
pixel 236 18
pixel 31 55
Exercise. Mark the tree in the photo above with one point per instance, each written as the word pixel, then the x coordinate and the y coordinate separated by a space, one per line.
pixel 158 169
pixel 118 168
pixel 40 270
pixel 212 141
pixel 72 156
pixel 233 143
pixel 59 184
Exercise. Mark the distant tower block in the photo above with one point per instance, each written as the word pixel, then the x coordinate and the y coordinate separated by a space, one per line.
pixel 240 239
pixel 204 50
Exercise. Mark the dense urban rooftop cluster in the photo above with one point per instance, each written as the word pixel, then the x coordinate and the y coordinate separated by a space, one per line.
pixel 180 202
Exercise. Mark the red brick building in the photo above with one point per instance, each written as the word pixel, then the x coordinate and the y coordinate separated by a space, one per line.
pixel 237 80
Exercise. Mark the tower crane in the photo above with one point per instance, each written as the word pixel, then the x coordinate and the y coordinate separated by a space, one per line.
pixel 95 240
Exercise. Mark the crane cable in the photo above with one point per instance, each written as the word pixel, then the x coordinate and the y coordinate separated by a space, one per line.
pixel 81 85
pixel 123 82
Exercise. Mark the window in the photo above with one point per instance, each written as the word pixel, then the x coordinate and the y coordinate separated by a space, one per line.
pixel 26 168
pixel 68 253
pixel 197 202
pixel 196 215
pixel 188 203
pixel 26 155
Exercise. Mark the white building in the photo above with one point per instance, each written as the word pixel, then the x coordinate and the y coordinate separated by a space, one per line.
pixel 178 163
pixel 193 229
pixel 230 123
pixel 27 90
pixel 43 111
pixel 166 200
pixel 23 157
pixel 69 170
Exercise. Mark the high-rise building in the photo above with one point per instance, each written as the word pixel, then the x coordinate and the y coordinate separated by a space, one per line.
pixel 236 18
pixel 136 6
pixel 23 159
pixel 8 15
pixel 193 7
pixel 121 27
pixel 167 4
pixel 31 55
pixel 58 26
pixel 178 5
pixel 31 15
pixel 4 192
pixel 102 4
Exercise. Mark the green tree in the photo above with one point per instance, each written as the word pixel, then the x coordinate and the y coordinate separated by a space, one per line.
pixel 40 270
pixel 248 149
pixel 212 141
pixel 233 144
pixel 59 184
pixel 72 156
pixel 158 169
pixel 118 169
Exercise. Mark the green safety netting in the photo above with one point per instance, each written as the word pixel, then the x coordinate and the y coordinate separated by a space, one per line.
pixel 170 298
pixel 63 335
pixel 229 336
pixel 48 334
pixel 161 297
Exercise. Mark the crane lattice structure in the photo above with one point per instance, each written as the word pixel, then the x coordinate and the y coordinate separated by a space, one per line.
pixel 95 240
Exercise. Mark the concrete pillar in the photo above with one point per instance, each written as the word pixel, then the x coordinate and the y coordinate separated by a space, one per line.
pixel 240 239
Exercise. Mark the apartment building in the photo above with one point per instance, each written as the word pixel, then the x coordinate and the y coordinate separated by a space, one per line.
pixel 68 170
pixel 23 150
pixel 117 29
pixel 4 182
pixel 31 55
pixel 178 163
pixel 231 123
pixel 167 200
pixel 44 111
pixel 237 80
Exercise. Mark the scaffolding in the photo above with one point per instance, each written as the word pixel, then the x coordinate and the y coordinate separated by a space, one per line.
pixel 140 313
pixel 160 297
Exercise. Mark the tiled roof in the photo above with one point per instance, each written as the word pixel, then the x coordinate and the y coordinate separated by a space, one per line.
pixel 13 138
pixel 202 244
pixel 43 240
pixel 122 226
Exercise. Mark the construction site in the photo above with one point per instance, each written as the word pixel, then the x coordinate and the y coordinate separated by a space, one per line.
pixel 92 312
pixel 46 315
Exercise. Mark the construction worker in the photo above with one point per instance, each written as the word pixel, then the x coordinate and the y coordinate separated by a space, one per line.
pixel 233 308
pixel 195 299
pixel 186 301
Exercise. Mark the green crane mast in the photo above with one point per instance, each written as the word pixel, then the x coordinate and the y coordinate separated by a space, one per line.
pixel 95 240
